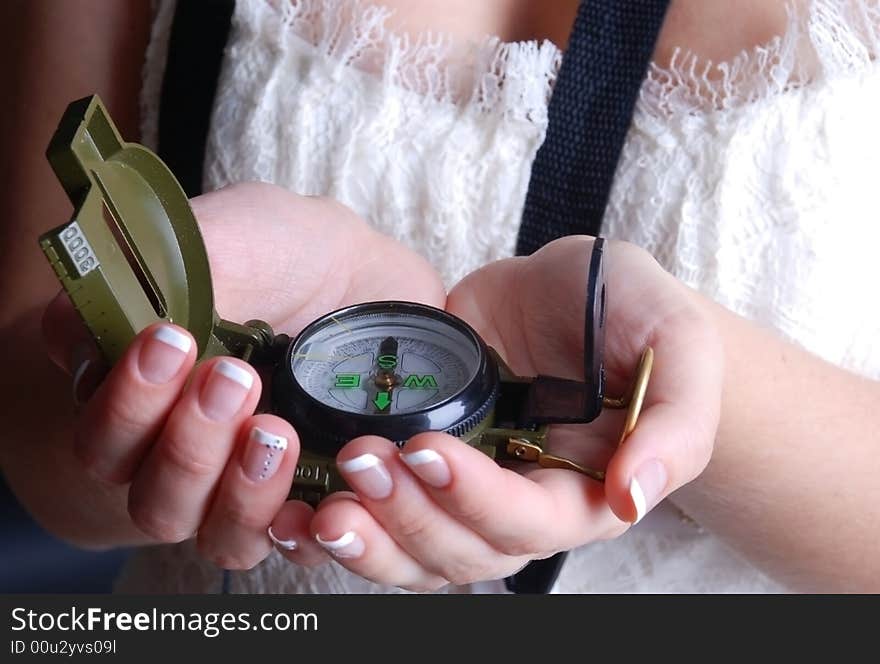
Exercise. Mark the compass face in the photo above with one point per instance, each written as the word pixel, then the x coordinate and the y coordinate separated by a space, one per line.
pixel 384 363
pixel 391 369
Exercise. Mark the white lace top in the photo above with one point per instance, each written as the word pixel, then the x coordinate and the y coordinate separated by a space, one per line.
pixel 753 181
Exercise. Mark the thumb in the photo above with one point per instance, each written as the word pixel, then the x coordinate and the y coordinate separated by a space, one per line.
pixel 661 455
pixel 674 437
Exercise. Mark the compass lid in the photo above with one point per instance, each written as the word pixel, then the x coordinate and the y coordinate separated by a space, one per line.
pixel 553 400
pixel 594 328
pixel 133 254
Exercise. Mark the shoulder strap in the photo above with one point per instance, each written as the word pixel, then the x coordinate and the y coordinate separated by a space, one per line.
pixel 199 32
pixel 590 114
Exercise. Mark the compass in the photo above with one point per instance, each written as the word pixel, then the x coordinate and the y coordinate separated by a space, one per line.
pixel 391 369
pixel 133 255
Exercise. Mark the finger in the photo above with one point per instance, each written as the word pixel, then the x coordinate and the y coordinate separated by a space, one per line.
pixel 536 514
pixel 397 500
pixel 674 436
pixel 170 494
pixel 254 485
pixel 350 534
pixel 661 455
pixel 291 536
pixel 121 421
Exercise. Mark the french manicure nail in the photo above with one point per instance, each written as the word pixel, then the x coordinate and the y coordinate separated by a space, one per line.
pixel 88 370
pixel 368 476
pixel 81 354
pixel 429 466
pixel 263 454
pixel 78 374
pixel 350 545
pixel 162 354
pixel 225 390
pixel 646 487
pixel 286 544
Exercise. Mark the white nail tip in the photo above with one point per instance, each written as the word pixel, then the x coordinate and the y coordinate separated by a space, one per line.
pixel 171 337
pixel 347 546
pixel 77 377
pixel 421 457
pixel 269 439
pixel 341 543
pixel 289 545
pixel 234 373
pixel 638 498
pixel 359 463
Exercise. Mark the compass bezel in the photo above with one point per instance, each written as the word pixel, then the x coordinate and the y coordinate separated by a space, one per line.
pixel 325 428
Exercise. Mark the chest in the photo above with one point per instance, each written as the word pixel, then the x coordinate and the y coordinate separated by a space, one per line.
pixel 712 30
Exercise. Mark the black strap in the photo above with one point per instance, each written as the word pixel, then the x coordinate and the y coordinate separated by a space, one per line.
pixel 590 114
pixel 196 43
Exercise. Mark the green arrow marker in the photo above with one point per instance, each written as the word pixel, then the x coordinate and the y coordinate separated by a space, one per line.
pixel 382 400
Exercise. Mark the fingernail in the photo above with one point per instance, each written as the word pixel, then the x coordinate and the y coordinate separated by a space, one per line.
pixel 225 390
pixel 78 373
pixel 81 354
pixel 368 476
pixel 162 354
pixel 263 454
pixel 646 487
pixel 88 370
pixel 286 544
pixel 429 466
pixel 347 546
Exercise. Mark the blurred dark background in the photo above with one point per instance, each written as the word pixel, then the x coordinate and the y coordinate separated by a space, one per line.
pixel 32 561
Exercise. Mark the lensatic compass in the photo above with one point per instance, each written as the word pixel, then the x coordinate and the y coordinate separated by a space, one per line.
pixel 133 255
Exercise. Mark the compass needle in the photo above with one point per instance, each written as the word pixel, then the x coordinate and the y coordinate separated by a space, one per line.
pixel 335 320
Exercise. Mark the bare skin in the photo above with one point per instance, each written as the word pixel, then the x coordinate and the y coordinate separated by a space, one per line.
pixel 771 488
pixel 713 30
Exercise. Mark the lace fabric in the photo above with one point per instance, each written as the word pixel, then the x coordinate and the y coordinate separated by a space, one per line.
pixel 758 194
pixel 825 39
pixel 750 180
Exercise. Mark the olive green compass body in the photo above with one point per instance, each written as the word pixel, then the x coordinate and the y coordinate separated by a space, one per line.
pixel 133 255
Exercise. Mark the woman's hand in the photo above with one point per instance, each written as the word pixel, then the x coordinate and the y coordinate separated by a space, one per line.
pixel 441 511
pixel 197 459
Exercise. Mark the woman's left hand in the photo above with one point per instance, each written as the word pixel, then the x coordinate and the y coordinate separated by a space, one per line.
pixel 439 511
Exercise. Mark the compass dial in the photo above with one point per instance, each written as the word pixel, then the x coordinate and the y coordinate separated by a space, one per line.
pixel 389 368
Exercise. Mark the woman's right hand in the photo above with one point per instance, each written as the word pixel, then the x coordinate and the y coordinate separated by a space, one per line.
pixel 184 438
